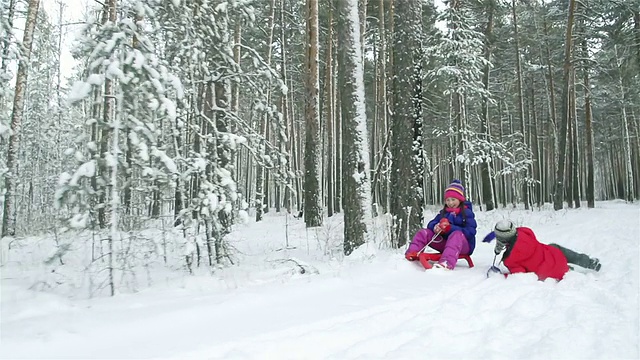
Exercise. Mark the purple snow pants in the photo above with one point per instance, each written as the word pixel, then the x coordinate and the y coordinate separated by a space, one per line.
pixel 451 247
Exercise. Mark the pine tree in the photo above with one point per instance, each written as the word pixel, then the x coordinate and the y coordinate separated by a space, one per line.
pixel 208 129
pixel 407 198
pixel 460 64
pixel 8 53
pixel 355 149
pixel 312 158
pixel 151 92
pixel 9 208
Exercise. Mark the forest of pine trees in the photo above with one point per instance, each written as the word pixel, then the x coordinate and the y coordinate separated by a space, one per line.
pixel 194 115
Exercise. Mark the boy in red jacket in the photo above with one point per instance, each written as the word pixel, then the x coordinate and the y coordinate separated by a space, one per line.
pixel 524 253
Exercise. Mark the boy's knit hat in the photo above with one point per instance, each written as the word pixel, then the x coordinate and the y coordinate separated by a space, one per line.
pixel 455 190
pixel 505 231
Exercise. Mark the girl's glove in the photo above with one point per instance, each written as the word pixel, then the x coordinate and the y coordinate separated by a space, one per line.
pixel 444 225
pixel 411 256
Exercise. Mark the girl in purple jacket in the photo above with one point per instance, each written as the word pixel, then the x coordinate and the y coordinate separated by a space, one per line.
pixel 452 237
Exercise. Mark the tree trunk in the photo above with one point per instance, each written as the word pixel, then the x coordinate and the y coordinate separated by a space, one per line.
pixel 338 206
pixel 406 171
pixel 355 148
pixel 243 154
pixel 224 154
pixel 6 43
pixel 312 154
pixel 562 130
pixel 155 196
pixel 636 30
pixel 551 94
pixel 590 190
pixel 330 116
pixel 362 16
pixel 386 185
pixel 381 136
pixel 237 42
pixel 261 187
pixel 96 109
pixel 109 117
pixel 520 96
pixel 9 205
pixel 535 148
pixel 626 142
pixel 575 185
pixel 291 164
pixel 485 171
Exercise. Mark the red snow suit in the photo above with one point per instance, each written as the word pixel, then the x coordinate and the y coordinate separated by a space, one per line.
pixel 529 255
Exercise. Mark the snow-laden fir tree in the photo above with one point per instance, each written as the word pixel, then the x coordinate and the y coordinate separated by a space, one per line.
pixel 459 64
pixel 45 133
pixel 8 53
pixel 208 131
pixel 120 54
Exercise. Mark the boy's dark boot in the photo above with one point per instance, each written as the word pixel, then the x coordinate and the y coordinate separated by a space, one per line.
pixel 595 264
pixel 579 259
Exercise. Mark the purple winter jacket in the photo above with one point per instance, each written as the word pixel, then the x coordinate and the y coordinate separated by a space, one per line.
pixel 465 223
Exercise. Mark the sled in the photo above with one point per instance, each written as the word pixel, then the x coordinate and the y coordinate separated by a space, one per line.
pixel 426 257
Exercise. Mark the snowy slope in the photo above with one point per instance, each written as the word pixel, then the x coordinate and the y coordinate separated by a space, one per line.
pixel 380 307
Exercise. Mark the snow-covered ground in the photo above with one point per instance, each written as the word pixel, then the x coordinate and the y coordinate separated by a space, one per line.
pixel 373 305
